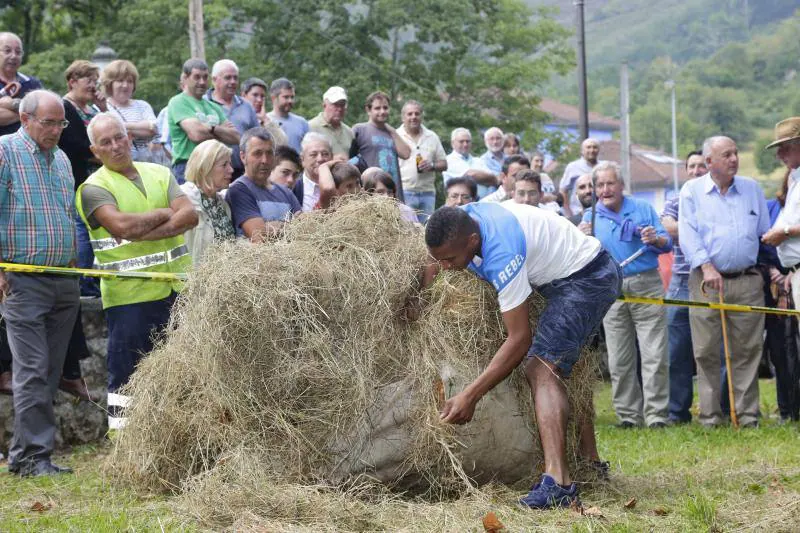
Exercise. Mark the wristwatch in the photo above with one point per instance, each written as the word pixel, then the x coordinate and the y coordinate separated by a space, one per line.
pixel 786 230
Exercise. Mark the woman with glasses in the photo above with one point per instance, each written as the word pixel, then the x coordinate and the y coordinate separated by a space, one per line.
pixel 81 103
pixel 208 173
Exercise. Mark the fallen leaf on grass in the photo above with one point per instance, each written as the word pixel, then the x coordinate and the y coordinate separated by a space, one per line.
pixel 630 504
pixel 576 507
pixel 40 507
pixel 593 512
pixel 491 524
pixel 775 486
pixel 660 511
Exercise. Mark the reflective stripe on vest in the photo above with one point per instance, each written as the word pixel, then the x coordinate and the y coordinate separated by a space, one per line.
pixel 145 261
pixel 99 245
pixel 164 255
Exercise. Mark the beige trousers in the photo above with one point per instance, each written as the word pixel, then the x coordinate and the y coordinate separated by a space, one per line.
pixel 745 340
pixel 624 324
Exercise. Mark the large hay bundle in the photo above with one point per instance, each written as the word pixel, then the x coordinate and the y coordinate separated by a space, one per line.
pixel 296 359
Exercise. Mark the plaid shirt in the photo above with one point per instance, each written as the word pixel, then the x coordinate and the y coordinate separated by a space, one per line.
pixel 37 203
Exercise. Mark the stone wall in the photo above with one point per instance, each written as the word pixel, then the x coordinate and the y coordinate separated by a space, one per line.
pixel 78 422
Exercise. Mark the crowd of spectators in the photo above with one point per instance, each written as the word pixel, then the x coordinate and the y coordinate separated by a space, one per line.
pixel 95 178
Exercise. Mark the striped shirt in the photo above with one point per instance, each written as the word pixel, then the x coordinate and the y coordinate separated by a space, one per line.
pixel 136 111
pixel 37 203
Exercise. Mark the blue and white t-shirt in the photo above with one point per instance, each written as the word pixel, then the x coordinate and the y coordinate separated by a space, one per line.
pixel 248 200
pixel 524 246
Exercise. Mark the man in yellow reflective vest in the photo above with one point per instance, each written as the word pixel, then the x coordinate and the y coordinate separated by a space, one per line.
pixel 136 214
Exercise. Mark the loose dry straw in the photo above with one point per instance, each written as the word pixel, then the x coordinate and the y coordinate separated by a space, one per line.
pixel 280 350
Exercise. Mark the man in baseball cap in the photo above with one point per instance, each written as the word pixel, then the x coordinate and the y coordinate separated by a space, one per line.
pixel 330 122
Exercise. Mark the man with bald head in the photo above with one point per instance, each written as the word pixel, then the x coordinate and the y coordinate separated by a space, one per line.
pixel 13 84
pixel 37 179
pixel 722 218
pixel 590 149
pixel 584 189
pixel 136 214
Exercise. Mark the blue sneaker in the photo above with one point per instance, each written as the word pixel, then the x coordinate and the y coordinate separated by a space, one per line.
pixel 548 494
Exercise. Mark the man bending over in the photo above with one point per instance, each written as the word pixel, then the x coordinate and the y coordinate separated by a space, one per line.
pixel 518 247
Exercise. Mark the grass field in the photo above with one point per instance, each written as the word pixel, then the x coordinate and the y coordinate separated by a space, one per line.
pixel 682 479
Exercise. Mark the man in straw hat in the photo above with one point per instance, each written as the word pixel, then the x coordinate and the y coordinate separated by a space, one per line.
pixel 518 247
pixel 785 234
pixel 722 218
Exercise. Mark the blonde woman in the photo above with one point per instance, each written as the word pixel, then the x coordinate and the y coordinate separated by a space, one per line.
pixel 208 172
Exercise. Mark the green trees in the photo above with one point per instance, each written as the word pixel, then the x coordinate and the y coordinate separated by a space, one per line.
pixel 473 63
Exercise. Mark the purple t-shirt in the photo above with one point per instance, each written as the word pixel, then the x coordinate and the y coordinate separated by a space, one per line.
pixel 248 200
pixel 374 147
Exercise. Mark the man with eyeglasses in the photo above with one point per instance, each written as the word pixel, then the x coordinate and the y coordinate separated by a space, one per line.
pixel 13 84
pixel 460 191
pixel 38 228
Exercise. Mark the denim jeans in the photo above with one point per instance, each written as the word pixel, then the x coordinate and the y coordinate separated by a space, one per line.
pixel 131 332
pixel 179 171
pixel 681 357
pixel 423 203
pixel 89 286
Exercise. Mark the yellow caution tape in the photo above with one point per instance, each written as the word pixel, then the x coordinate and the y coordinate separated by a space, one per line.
pixel 708 305
pixel 168 277
pixel 91 272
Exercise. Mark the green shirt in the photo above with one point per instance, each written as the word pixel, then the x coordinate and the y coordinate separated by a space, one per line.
pixel 181 107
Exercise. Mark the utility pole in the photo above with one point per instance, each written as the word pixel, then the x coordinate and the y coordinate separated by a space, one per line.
pixel 583 103
pixel 671 85
pixel 625 132
pixel 197 47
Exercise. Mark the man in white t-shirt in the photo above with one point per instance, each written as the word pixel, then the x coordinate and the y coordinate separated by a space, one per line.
pixel 518 248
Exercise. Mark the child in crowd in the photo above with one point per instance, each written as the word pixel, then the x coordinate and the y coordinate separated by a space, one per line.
pixel 336 178
pixel 375 180
pixel 460 191
pixel 288 167
pixel 527 187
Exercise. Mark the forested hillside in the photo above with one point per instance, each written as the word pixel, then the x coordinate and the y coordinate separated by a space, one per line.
pixel 735 63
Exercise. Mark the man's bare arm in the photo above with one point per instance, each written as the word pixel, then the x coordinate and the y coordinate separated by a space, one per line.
pixel 196 130
pixel 226 133
pixel 130 226
pixel 183 218
pixel 460 408
pixel 402 147
pixel 9 110
pixel 482 177
pixel 671 225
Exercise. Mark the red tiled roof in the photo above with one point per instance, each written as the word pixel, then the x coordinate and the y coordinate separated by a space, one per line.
pixel 568 114
pixel 649 167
